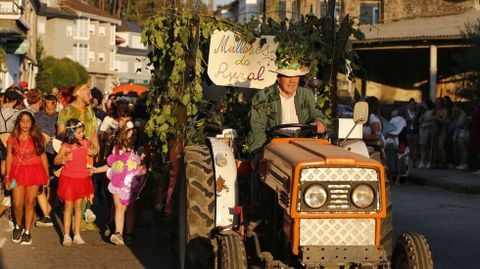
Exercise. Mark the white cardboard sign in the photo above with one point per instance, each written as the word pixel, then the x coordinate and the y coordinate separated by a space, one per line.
pixel 239 64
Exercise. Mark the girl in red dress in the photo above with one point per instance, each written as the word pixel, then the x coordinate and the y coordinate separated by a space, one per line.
pixel 75 182
pixel 26 170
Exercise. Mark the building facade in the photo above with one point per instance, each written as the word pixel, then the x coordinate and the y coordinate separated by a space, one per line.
pixel 18 31
pixel 411 50
pixel 131 61
pixel 83 33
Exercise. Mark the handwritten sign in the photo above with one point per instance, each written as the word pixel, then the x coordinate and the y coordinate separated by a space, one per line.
pixel 239 64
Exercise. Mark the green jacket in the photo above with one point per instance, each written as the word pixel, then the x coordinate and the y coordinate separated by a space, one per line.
pixel 266 113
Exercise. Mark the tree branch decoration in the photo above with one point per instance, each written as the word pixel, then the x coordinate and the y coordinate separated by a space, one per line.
pixel 179 42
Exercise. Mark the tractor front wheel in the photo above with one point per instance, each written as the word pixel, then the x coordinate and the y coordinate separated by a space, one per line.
pixel 412 251
pixel 232 254
pixel 196 214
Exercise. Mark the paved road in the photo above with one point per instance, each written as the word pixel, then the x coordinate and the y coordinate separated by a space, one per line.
pixel 450 221
pixel 47 251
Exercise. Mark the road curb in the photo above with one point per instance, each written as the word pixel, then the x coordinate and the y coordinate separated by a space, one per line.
pixel 438 183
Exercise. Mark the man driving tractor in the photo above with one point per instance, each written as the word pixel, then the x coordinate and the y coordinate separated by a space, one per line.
pixel 282 103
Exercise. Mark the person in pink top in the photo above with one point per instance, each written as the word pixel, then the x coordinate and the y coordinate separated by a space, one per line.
pixel 26 170
pixel 75 182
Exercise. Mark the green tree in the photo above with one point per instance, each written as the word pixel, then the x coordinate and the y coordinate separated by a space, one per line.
pixel 139 10
pixel 2 58
pixel 40 50
pixel 60 73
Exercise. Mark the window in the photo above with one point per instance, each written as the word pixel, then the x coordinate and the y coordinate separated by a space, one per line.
pixel 370 13
pixel 282 9
pixel 41 27
pixel 80 28
pixel 91 56
pixel 323 10
pixel 111 62
pixel 69 30
pixel 101 31
pixel 112 34
pixel 91 29
pixel 80 53
pixel 137 42
pixel 122 66
pixel 101 57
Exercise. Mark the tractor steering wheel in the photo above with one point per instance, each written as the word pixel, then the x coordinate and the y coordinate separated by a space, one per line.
pixel 305 130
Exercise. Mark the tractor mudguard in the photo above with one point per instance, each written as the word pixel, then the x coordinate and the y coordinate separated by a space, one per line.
pixel 226 187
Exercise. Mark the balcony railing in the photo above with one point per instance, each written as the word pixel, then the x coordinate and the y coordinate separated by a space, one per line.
pixel 11 7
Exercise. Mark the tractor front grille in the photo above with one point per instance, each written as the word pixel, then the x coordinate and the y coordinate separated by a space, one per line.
pixel 339 183
pixel 337 232
pixel 339 174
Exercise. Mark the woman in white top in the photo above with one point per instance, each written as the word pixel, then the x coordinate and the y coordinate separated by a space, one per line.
pixel 372 131
pixel 117 117
pixel 425 134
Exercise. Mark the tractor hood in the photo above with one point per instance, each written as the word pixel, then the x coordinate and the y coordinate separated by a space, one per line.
pixel 289 153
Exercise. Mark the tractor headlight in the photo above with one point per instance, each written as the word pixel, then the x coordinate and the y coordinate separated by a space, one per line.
pixel 315 196
pixel 363 196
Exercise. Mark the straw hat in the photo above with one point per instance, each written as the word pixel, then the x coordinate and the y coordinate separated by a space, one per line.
pixel 78 88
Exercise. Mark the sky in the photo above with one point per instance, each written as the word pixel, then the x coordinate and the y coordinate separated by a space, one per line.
pixel 218 2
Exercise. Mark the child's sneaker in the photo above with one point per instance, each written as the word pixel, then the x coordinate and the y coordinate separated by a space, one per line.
pixel 77 239
pixel 26 239
pixel 17 234
pixel 44 222
pixel 89 215
pixel 462 167
pixel 117 239
pixel 67 240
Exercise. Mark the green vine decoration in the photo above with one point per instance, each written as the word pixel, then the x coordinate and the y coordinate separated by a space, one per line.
pixel 2 58
pixel 180 43
pixel 178 71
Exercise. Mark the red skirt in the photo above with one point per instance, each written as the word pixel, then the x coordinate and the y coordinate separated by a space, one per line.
pixel 71 189
pixel 29 175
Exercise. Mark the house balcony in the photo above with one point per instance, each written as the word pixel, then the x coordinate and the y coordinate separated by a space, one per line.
pixel 10 9
pixel 12 21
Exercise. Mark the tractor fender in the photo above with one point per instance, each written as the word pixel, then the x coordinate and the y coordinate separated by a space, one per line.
pixel 226 187
pixel 356 146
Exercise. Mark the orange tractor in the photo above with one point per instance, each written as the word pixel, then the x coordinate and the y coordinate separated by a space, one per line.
pixel 319 203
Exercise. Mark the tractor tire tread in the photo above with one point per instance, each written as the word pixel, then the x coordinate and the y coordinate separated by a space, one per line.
pixel 416 251
pixel 233 254
pixel 200 206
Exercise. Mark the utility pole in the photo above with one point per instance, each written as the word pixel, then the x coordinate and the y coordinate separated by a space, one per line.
pixel 210 8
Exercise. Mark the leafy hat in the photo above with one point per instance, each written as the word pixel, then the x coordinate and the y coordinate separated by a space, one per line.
pixel 292 72
pixel 291 69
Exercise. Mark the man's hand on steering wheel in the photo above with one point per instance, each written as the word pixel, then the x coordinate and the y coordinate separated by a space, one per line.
pixel 320 126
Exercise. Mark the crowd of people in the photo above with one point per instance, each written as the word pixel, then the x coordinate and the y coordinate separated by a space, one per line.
pixel 440 135
pixel 66 148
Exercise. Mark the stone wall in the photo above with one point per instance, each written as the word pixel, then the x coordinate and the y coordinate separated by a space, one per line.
pixel 394 10
pixel 404 9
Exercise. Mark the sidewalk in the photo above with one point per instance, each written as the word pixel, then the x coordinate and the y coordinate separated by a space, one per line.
pixel 448 179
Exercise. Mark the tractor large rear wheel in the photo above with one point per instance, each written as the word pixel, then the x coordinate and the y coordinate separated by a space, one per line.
pixel 196 216
pixel 232 254
pixel 412 251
